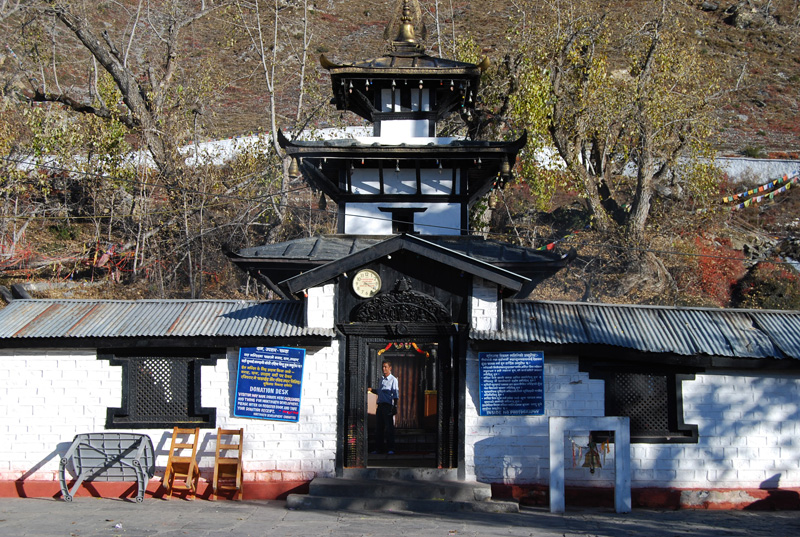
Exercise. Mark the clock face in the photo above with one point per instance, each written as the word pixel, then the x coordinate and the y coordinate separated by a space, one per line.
pixel 366 283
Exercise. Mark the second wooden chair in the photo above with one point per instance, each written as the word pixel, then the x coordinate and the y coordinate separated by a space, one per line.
pixel 228 462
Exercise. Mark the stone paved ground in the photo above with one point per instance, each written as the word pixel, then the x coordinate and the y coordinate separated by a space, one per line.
pixel 94 517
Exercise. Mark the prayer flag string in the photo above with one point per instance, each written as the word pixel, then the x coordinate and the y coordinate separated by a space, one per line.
pixel 762 192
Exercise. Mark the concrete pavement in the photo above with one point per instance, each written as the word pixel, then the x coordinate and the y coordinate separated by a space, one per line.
pixel 96 517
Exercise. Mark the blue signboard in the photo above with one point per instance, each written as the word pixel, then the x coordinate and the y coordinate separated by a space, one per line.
pixel 269 383
pixel 511 383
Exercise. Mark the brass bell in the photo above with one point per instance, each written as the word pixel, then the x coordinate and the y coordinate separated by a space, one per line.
pixel 294 169
pixel 592 460
pixel 493 201
pixel 505 168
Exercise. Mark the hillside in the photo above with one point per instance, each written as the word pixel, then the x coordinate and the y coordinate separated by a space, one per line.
pixel 104 241
pixel 757 41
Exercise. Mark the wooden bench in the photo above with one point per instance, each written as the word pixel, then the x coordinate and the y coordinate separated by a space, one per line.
pixel 108 457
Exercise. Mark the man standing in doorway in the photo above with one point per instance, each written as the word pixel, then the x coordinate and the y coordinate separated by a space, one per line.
pixel 388 394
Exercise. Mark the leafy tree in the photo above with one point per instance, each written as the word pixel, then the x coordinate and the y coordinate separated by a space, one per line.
pixel 622 98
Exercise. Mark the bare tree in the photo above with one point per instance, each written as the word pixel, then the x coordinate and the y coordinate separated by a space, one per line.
pixel 8 8
pixel 145 87
pixel 275 67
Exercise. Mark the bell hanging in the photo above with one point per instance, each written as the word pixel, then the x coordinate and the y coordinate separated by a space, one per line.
pixel 294 169
pixel 493 200
pixel 323 204
pixel 505 169
pixel 592 460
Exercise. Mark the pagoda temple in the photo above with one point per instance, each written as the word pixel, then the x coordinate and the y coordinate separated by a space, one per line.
pixel 404 269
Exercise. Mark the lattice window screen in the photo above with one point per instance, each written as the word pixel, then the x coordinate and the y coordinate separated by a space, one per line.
pixel 642 397
pixel 160 389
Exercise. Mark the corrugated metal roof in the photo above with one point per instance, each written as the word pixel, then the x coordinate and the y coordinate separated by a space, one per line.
pixel 657 329
pixel 153 318
pixel 682 331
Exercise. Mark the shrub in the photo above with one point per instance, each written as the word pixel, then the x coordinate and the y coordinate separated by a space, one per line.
pixel 753 152
pixel 719 269
pixel 769 285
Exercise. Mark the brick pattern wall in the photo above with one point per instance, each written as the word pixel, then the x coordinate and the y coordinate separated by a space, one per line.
pixel 749 426
pixel 320 306
pixel 484 307
pixel 49 396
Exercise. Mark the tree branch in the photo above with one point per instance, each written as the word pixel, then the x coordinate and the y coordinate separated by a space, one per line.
pixel 102 112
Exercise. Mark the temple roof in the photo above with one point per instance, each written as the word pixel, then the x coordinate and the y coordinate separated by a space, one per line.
pixel 354 83
pixel 484 161
pixel 492 259
pixel 405 53
pixel 393 64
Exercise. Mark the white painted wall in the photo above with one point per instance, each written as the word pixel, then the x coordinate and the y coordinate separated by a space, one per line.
pixel 484 305
pixel 397 129
pixel 400 182
pixel 368 219
pixel 438 182
pixel 365 181
pixel 320 306
pixel 749 426
pixel 49 396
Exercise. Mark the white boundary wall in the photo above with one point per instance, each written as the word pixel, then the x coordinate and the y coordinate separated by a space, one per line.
pixel 749 433
pixel 749 424
pixel 49 396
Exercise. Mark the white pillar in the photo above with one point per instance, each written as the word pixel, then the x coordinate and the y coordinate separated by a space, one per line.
pixel 622 457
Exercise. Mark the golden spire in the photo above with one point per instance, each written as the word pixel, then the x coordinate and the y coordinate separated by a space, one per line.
pixel 407 19
pixel 406 32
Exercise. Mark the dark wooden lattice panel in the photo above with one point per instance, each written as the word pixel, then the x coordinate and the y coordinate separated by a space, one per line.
pixel 643 397
pixel 159 389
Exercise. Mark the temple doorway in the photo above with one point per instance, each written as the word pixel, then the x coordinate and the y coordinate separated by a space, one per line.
pixel 430 381
pixel 415 365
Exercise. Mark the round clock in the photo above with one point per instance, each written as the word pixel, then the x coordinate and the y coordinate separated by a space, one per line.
pixel 366 283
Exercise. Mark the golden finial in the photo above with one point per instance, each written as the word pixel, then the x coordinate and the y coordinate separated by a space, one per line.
pixel 406 16
pixel 406 32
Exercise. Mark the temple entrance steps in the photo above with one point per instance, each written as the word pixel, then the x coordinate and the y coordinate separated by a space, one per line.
pixel 424 490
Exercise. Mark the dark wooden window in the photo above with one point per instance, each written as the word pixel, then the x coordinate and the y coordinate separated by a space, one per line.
pixel 160 389
pixel 651 397
pixel 402 218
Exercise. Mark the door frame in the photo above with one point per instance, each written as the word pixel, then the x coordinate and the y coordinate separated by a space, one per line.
pixel 451 387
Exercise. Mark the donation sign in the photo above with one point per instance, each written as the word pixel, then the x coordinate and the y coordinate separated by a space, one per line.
pixel 269 383
pixel 511 383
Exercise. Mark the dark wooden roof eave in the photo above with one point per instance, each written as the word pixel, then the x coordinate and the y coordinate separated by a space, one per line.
pixel 403 63
pixel 469 149
pixel 388 73
pixel 412 243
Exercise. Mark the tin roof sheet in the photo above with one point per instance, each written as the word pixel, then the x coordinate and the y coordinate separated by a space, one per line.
pixel 656 329
pixel 154 318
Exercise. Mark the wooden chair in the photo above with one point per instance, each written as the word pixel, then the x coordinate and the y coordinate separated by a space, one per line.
pixel 181 467
pixel 228 469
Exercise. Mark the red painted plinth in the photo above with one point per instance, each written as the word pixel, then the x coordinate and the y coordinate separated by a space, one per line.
pixel 658 498
pixel 272 490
